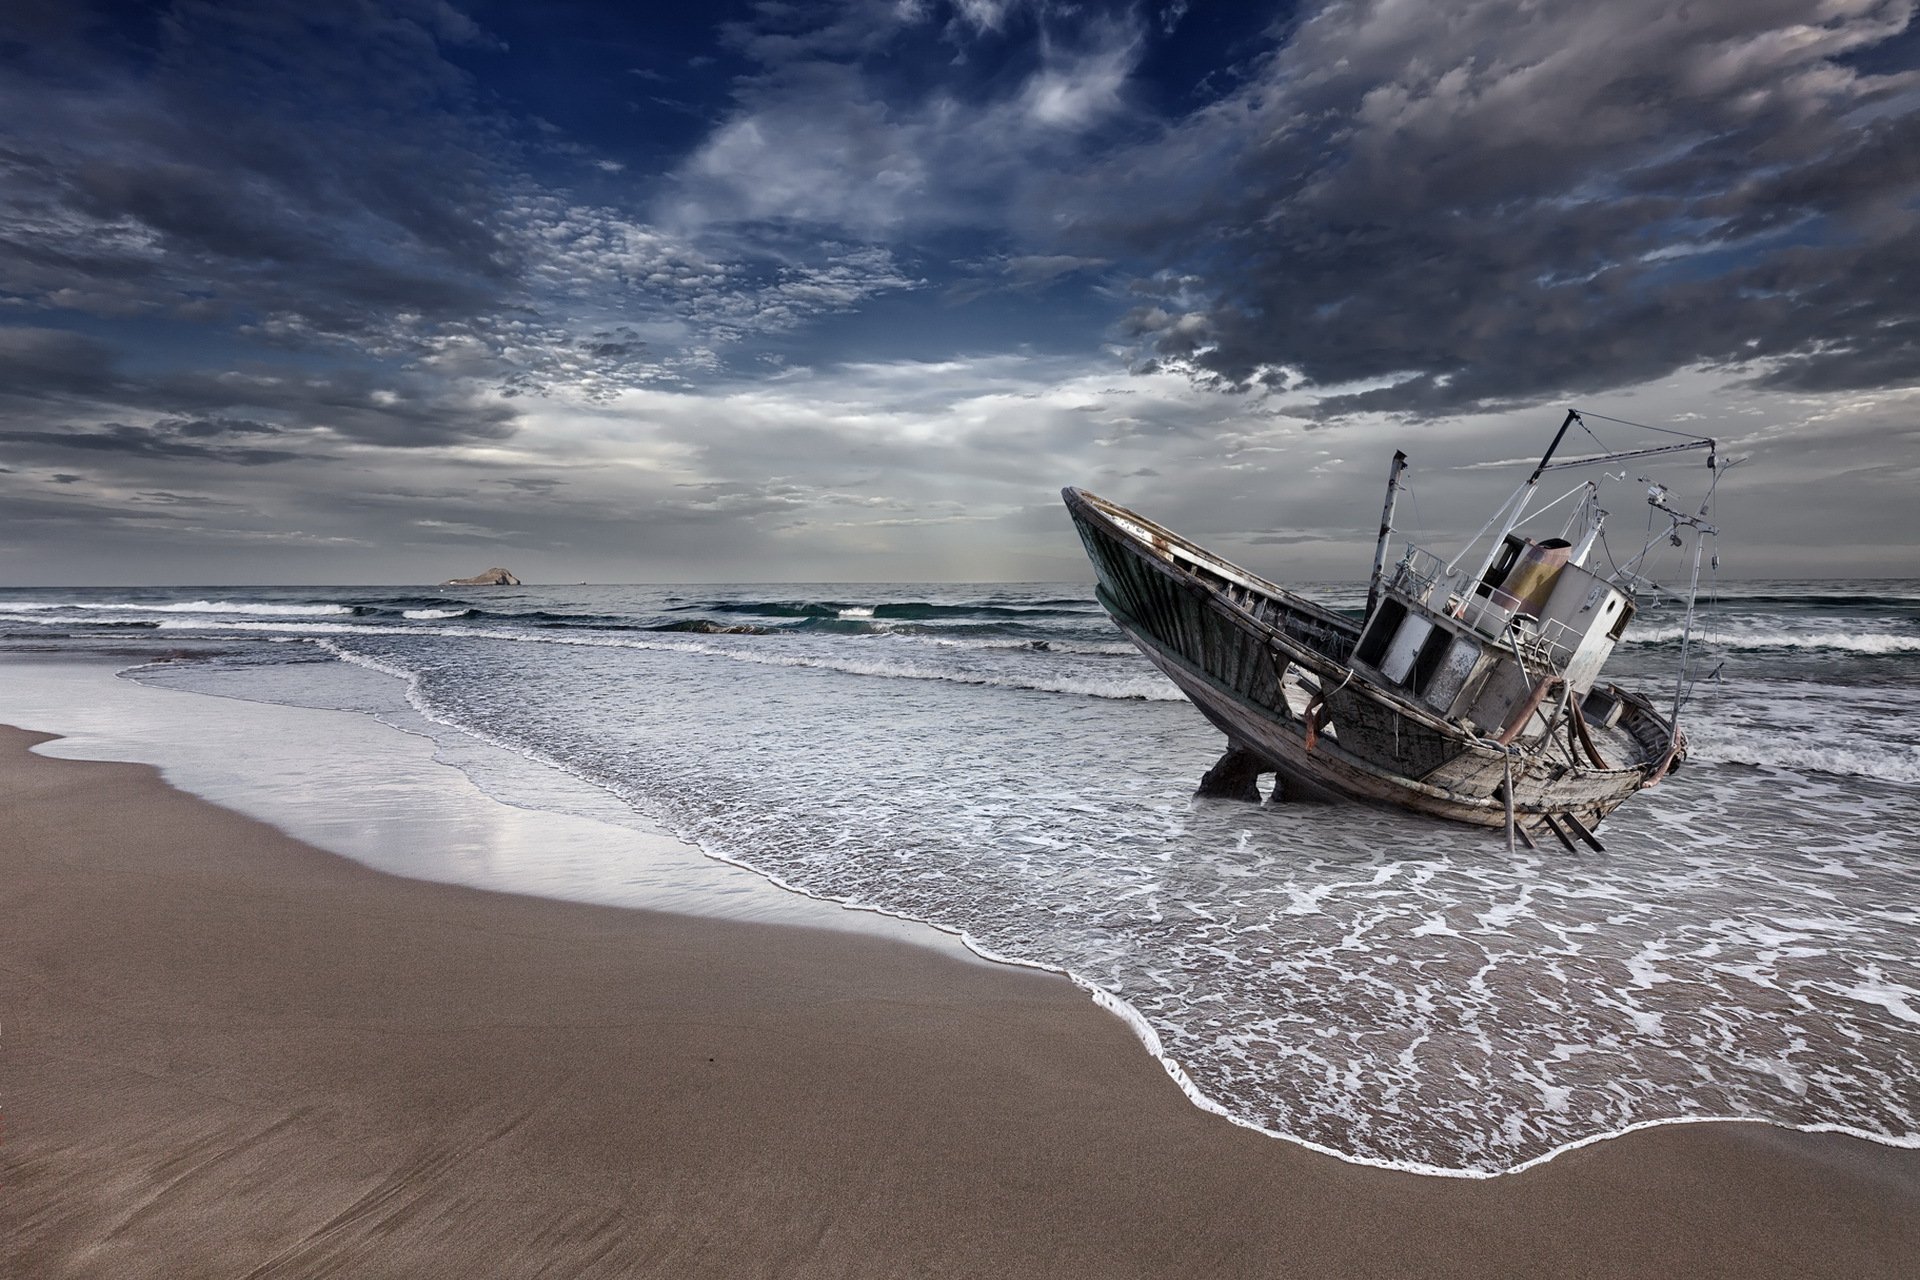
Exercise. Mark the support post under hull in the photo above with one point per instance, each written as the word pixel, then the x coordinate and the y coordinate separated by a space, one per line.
pixel 1235 776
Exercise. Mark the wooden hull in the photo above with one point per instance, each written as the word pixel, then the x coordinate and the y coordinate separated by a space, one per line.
pixel 1263 665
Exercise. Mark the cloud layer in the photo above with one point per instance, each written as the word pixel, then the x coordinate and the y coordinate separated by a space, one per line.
pixel 1451 207
pixel 848 288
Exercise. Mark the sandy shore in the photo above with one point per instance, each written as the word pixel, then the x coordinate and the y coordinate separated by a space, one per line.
pixel 224 1052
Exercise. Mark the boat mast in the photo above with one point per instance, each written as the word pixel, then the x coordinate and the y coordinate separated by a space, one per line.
pixel 1386 527
pixel 1517 504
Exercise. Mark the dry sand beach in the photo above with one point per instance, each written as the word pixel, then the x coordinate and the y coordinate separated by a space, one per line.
pixel 229 1053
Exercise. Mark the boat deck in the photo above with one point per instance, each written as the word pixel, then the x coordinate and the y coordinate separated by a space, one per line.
pixel 1618 744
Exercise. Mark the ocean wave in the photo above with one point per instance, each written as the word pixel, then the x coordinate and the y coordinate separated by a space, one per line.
pixel 244 608
pixel 550 618
pixel 304 628
pixel 763 608
pixel 1839 641
pixel 394 606
pixel 843 625
pixel 1143 685
pixel 1896 599
pixel 91 624
pixel 907 611
pixel 1003 635
pixel 427 615
pixel 1047 644
pixel 708 627
pixel 1806 753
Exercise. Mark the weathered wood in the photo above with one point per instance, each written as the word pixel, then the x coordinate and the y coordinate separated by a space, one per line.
pixel 1558 831
pixel 1235 776
pixel 1580 829
pixel 1506 798
pixel 1577 721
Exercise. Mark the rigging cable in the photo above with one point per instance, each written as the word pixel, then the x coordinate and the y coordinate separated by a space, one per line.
pixel 1413 500
pixel 1589 430
pixel 1713 580
pixel 1665 431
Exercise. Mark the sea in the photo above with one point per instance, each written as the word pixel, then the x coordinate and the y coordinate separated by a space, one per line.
pixel 996 760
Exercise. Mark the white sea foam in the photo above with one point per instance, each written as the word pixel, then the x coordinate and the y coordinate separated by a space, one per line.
pixel 1866 642
pixel 1895 998
pixel 1811 726
pixel 431 614
pixel 1147 686
pixel 1838 749
pixel 218 625
pixel 1141 685
pixel 1106 649
pixel 244 607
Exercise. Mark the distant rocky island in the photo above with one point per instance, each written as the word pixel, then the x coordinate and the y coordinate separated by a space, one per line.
pixel 495 577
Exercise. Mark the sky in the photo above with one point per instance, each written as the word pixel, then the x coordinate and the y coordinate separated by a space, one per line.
pixel 786 291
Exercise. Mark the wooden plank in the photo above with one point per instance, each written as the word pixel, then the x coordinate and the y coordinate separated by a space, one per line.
pixel 1580 829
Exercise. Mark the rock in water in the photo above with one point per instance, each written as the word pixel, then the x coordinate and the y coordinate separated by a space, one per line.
pixel 495 577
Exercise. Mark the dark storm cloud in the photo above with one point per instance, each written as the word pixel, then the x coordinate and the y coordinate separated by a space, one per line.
pixel 1483 205
pixel 168 499
pixel 358 404
pixel 148 442
pixel 200 427
pixel 44 363
pixel 71 382
pixel 312 169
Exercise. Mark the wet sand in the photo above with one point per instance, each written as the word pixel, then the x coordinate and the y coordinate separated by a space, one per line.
pixel 223 1052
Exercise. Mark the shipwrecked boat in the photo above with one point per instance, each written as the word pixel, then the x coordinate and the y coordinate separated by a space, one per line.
pixel 1470 689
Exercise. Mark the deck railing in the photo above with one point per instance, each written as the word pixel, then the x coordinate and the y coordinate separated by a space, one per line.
pixel 1547 644
pixel 1418 574
pixel 1422 577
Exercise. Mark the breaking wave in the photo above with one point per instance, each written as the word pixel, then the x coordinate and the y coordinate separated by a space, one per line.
pixel 1134 685
pixel 244 608
pixel 1839 641
pixel 1881 761
pixel 906 611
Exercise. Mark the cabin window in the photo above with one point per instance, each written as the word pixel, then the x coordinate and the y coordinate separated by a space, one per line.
pixel 1386 621
pixel 1428 661
pixel 1502 565
pixel 1620 623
